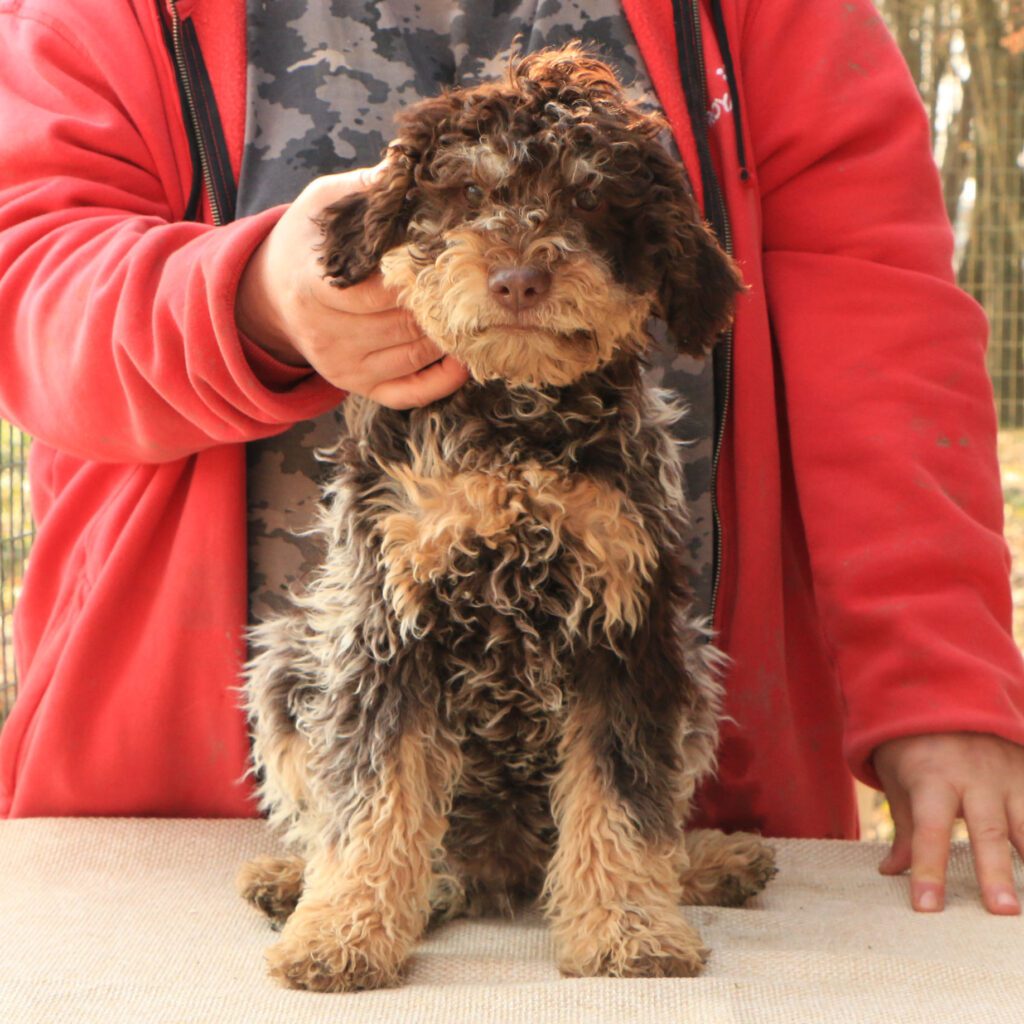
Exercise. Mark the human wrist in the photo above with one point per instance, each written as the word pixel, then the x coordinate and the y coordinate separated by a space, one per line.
pixel 256 315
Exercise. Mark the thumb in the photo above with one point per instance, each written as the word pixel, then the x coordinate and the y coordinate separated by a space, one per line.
pixel 337 186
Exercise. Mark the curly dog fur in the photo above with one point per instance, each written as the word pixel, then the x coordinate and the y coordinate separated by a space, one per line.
pixel 494 690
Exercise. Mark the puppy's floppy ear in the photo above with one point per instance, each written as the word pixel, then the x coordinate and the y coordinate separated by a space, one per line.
pixel 360 228
pixel 699 282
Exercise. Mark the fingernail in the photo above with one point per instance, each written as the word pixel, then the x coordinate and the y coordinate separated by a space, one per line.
pixel 371 175
pixel 928 900
pixel 1007 901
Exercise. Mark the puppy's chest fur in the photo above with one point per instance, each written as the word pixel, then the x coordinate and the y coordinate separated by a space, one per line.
pixel 514 528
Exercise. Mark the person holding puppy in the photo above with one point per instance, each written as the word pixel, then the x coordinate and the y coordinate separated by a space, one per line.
pixel 858 578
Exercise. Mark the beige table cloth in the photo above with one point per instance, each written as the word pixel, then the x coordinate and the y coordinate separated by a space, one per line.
pixel 137 921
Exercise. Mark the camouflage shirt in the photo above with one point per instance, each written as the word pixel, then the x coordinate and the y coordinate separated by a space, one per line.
pixel 324 82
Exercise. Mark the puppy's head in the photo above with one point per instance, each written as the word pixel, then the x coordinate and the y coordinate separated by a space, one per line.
pixel 532 226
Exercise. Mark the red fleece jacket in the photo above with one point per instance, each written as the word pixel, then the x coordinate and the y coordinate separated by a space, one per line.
pixel 864 591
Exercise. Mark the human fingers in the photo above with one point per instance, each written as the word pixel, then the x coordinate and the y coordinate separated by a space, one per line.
pixel 898 858
pixel 1015 811
pixel 356 338
pixel 368 296
pixel 329 188
pixel 302 224
pixel 343 347
pixel 988 829
pixel 282 297
pixel 934 808
pixel 401 360
pixel 421 388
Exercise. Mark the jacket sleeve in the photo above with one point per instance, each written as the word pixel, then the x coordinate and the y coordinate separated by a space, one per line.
pixel 889 406
pixel 117 338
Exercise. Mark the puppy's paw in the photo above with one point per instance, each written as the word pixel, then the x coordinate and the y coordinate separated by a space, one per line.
pixel 330 967
pixel 726 870
pixel 747 879
pixel 322 951
pixel 619 943
pixel 272 885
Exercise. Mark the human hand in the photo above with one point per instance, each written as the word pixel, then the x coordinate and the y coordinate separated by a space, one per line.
pixel 356 337
pixel 930 781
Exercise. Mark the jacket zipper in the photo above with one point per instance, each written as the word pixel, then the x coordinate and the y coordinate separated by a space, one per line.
pixel 193 113
pixel 727 245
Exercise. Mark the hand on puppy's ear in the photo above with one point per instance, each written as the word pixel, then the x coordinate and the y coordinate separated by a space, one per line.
pixel 281 292
pixel 361 227
pixel 357 338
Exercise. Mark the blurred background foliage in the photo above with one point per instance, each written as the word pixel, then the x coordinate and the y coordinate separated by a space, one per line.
pixel 15 538
pixel 967 58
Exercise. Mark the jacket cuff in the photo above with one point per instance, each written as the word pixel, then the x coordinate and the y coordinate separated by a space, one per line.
pixel 859 749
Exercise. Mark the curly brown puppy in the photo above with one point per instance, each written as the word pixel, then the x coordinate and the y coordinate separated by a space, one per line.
pixel 494 689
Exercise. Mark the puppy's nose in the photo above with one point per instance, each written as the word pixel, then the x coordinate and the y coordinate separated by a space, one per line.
pixel 519 288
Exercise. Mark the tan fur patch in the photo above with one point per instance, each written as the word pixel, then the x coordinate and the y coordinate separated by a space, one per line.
pixel 725 869
pixel 581 324
pixel 440 517
pixel 488 165
pixel 580 169
pixel 272 884
pixel 366 900
pixel 611 895
pixel 285 759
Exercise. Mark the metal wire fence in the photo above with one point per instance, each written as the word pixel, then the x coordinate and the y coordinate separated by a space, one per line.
pixel 968 59
pixel 15 538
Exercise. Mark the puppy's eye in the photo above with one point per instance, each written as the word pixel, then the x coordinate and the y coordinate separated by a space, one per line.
pixel 586 199
pixel 475 195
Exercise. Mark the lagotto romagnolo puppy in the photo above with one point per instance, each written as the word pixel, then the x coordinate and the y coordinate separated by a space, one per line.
pixel 493 689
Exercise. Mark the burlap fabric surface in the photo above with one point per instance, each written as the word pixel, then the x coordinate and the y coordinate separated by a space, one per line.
pixel 137 921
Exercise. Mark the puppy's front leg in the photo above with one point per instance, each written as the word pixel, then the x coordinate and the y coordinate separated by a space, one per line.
pixel 613 888
pixel 365 899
